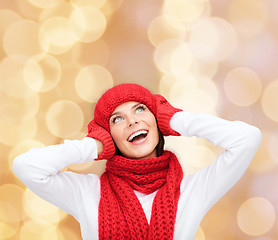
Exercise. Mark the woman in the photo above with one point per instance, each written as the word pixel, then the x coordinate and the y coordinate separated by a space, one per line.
pixel 143 193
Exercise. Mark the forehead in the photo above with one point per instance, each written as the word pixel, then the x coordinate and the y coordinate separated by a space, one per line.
pixel 125 106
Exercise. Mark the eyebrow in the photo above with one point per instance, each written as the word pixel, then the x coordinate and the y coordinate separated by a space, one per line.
pixel 117 113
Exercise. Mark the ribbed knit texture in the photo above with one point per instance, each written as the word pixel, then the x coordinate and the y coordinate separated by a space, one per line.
pixel 165 112
pixel 121 215
pixel 118 95
pixel 97 132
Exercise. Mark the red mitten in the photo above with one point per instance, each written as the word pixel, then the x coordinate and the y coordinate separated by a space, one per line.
pixel 164 113
pixel 97 132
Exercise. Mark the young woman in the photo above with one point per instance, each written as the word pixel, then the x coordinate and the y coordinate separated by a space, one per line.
pixel 143 193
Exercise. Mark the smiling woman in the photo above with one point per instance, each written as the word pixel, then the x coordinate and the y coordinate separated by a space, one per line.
pixel 134 130
pixel 143 193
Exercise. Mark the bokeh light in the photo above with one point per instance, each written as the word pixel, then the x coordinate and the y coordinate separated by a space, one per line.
pixel 87 23
pixel 22 38
pixel 184 10
pixel 55 35
pixel 164 27
pixel 220 39
pixel 248 17
pixel 57 57
pixel 7 18
pixel 64 118
pixel 11 74
pixel 164 52
pixel 88 84
pixel 14 132
pixel 40 210
pixel 200 235
pixel 270 100
pixel 45 3
pixel 243 86
pixel 256 216
pixel 42 72
pixel 94 3
pixel 38 230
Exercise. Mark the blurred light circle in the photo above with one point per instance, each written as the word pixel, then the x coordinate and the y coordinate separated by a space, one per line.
pixel 8 213
pixel 38 230
pixel 185 10
pixel 63 9
pixel 12 195
pixel 7 18
pixel 163 27
pixel 248 17
pixel 87 23
pixel 242 86
pixel 111 7
pixel 200 235
pixel 13 132
pixel 40 210
pixel 204 67
pixel 55 36
pixel 202 156
pixel 269 101
pixel 192 153
pixel 263 161
pixel 11 75
pixel 42 72
pixel 64 118
pixel 92 81
pixel 181 60
pixel 17 109
pixel 210 37
pixel 45 3
pixel 193 99
pixel 256 216
pixel 22 38
pixel 165 84
pixel 94 3
pixel 67 232
pixel 163 54
pixel 7 231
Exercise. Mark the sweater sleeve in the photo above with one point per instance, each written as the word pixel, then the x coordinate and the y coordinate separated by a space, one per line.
pixel 39 169
pixel 240 141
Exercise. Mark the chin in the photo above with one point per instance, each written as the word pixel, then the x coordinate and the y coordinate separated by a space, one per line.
pixel 143 155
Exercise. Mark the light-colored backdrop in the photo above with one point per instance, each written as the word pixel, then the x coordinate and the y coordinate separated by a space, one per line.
pixel 58 56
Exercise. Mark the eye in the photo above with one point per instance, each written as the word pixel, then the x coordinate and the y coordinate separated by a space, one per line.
pixel 140 108
pixel 116 119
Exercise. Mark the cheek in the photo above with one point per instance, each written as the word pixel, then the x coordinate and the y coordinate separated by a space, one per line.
pixel 153 125
pixel 116 134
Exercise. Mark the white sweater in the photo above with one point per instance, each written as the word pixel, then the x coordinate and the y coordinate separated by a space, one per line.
pixel 79 194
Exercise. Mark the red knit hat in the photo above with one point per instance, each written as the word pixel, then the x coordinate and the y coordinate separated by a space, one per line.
pixel 118 95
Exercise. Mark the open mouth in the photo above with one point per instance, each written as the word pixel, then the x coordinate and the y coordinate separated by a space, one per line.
pixel 137 136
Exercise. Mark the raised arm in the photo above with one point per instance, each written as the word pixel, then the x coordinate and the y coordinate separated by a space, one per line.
pixel 240 140
pixel 39 169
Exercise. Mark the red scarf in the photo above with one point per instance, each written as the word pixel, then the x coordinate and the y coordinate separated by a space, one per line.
pixel 121 215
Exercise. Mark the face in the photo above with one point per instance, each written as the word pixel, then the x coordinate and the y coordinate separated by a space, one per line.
pixel 134 129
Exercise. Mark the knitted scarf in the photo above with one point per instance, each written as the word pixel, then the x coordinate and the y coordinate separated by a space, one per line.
pixel 121 215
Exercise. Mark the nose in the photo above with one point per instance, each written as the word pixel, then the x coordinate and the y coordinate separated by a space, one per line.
pixel 132 121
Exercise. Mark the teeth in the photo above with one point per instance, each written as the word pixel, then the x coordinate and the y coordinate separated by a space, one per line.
pixel 137 134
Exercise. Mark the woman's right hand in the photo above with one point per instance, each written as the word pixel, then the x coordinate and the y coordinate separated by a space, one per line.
pixel 105 144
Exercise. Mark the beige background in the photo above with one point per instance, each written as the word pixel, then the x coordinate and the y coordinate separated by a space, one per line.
pixel 57 57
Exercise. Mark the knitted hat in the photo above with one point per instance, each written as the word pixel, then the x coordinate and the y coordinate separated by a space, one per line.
pixel 118 95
